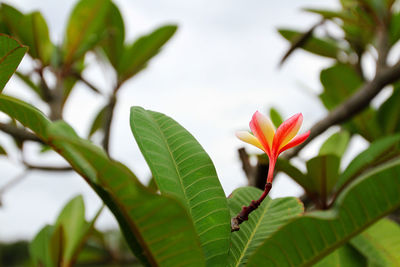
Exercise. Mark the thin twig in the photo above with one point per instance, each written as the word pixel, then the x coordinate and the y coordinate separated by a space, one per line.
pixel 86 82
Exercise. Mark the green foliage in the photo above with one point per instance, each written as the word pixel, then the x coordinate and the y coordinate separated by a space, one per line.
pixel 322 47
pixel 336 144
pixel 59 244
pixel 46 247
pixel 388 114
pixel 31 30
pixel 269 217
pixel 340 82
pixel 276 118
pixel 380 243
pixel 157 228
pixel 136 55
pixel 345 256
pixel 98 121
pixel 82 32
pixel 307 239
pixel 183 169
pixel 378 152
pixel 11 54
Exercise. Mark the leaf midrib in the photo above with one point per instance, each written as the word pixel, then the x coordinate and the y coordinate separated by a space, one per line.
pixel 164 139
pixel 253 233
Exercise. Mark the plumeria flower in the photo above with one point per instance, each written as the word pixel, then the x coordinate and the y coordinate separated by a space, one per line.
pixel 273 142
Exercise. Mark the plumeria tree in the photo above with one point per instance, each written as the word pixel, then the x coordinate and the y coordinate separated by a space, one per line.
pixel 187 220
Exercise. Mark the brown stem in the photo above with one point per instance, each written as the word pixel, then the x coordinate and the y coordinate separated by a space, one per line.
pixel 19 133
pixel 244 213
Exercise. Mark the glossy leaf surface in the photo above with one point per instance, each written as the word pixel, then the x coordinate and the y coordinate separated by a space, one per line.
pixel 306 240
pixel 182 168
pixel 270 216
pixel 11 54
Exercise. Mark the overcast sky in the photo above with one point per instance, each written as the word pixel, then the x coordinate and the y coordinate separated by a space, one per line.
pixel 219 68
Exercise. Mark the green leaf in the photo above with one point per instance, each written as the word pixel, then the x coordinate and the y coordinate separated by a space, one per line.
pixel 26 114
pixel 157 228
pixel 11 54
pixel 264 221
pixel 389 113
pixel 340 82
pixel 46 247
pixel 324 172
pixel 298 176
pixel 380 243
pixel 345 256
pixel 85 28
pixel 276 118
pixel 137 55
pixel 336 144
pixel 32 31
pixel 98 121
pixel 183 169
pixel 113 44
pixel 394 28
pixel 307 239
pixel 74 225
pixel 11 17
pixel 378 152
pixel 321 46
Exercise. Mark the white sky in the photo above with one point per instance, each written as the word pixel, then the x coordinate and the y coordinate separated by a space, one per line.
pixel 220 67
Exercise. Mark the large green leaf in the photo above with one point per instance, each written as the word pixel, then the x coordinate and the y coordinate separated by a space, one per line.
pixel 264 221
pixel 306 240
pixel 345 256
pixel 137 55
pixel 322 47
pixel 11 54
pixel 183 169
pixel 389 113
pixel 380 243
pixel 378 152
pixel 336 144
pixel 302 179
pixel 157 228
pixel 323 171
pixel 85 28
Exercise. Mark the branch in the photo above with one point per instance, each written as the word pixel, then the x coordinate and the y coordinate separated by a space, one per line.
pixel 352 106
pixel 299 42
pixel 19 133
pixel 12 183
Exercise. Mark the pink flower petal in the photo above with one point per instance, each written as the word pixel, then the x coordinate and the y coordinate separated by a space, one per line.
pixel 286 131
pixel 296 141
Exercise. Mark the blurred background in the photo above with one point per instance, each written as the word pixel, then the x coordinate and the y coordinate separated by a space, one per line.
pixel 218 69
